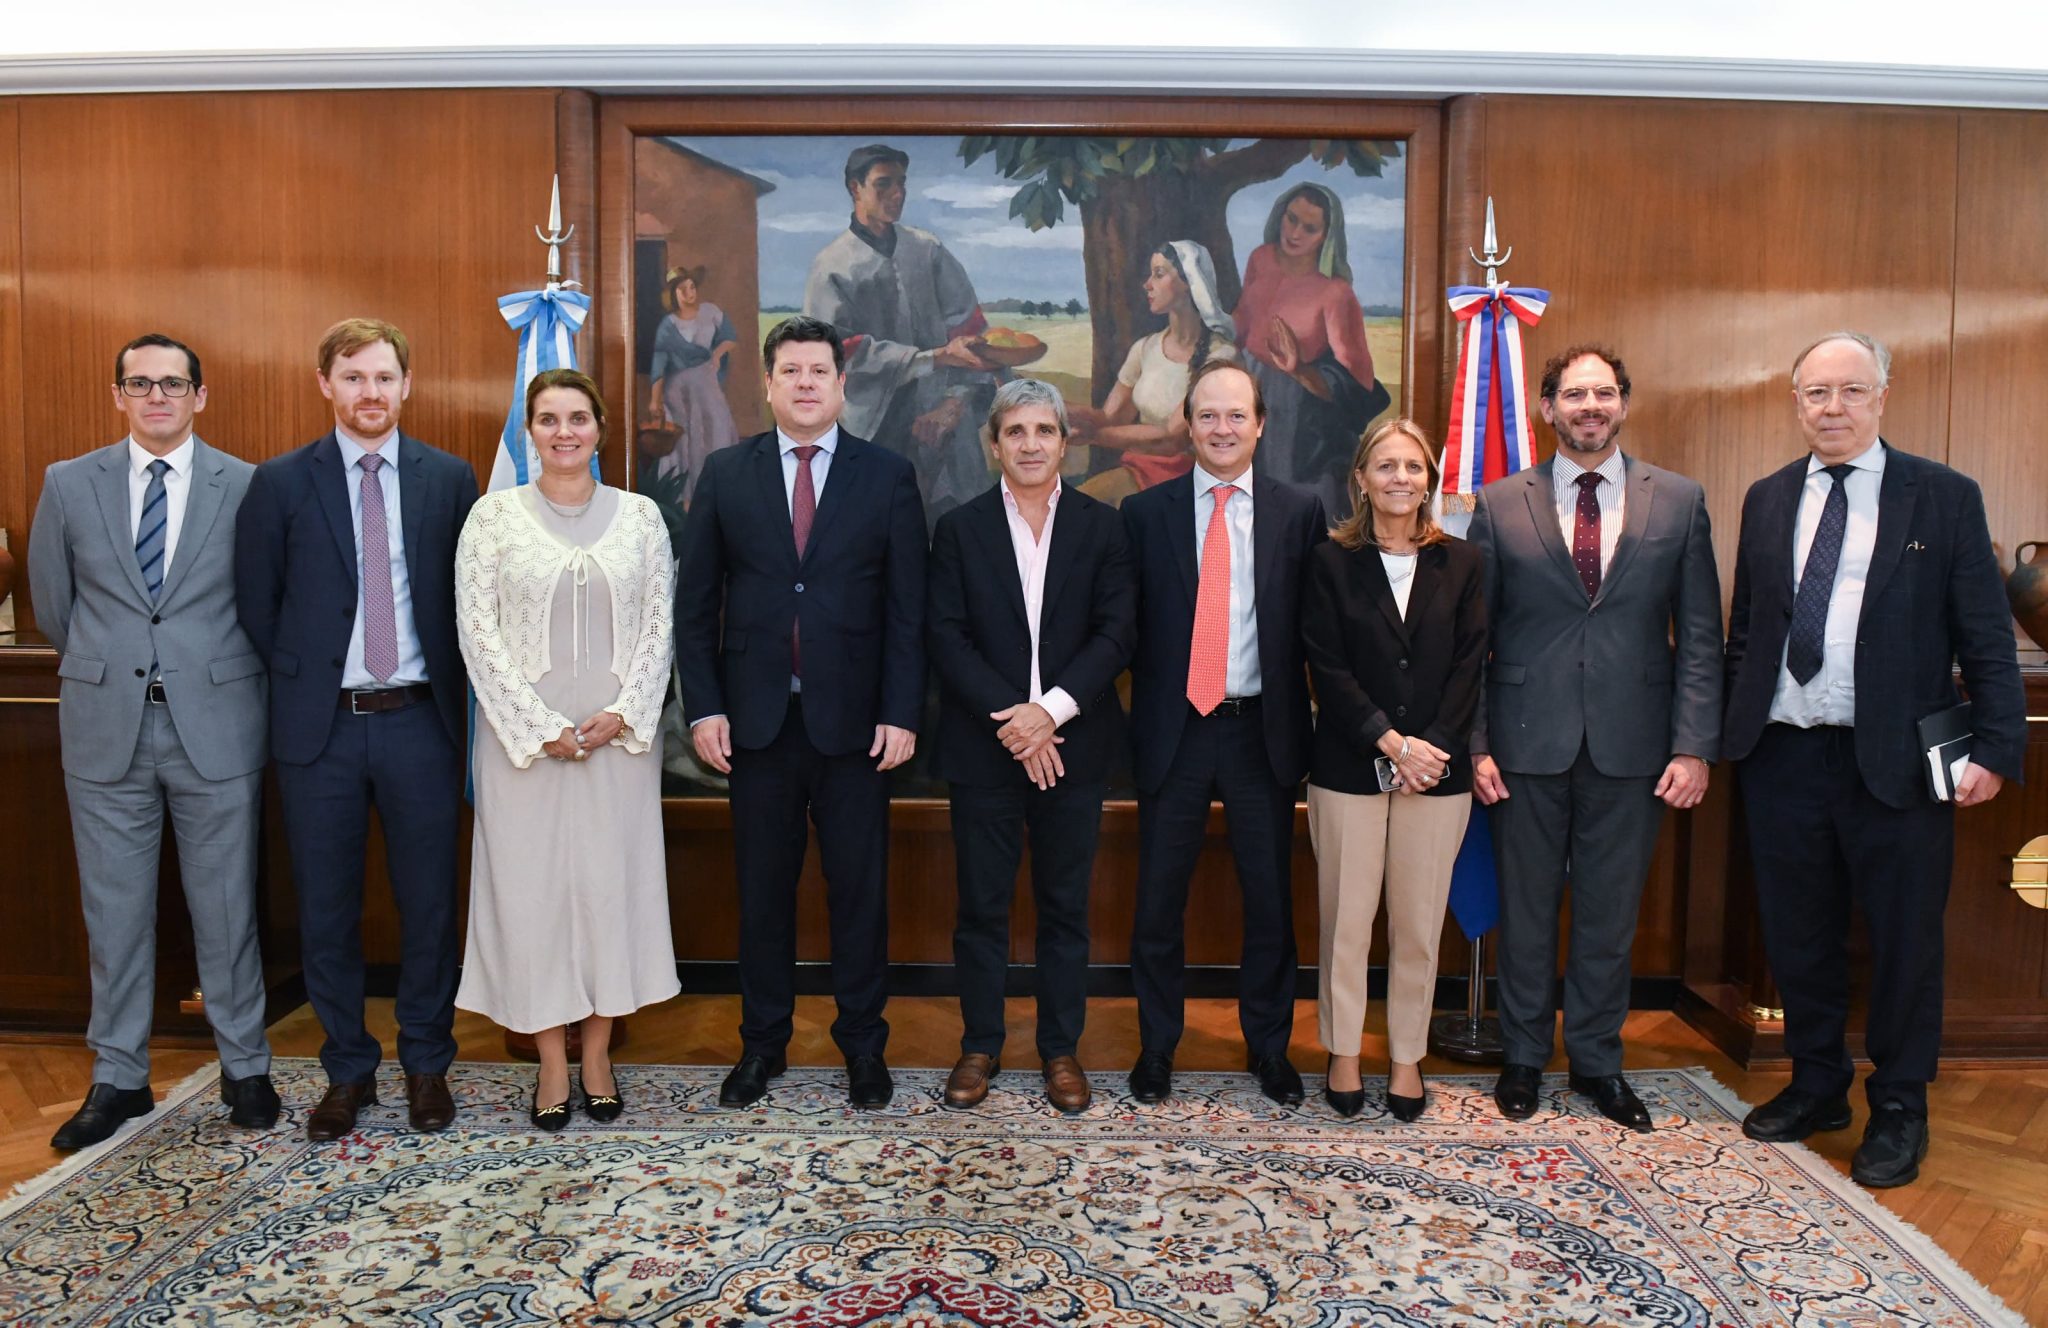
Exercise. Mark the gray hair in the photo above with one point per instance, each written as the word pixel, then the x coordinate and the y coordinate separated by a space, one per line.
pixel 1878 352
pixel 1021 392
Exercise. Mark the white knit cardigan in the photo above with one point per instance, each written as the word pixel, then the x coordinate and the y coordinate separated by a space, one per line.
pixel 507 566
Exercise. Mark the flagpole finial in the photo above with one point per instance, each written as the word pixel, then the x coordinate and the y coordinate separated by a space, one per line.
pixel 1494 259
pixel 554 237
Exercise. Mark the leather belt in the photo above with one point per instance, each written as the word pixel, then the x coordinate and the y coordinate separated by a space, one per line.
pixel 377 700
pixel 1230 705
pixel 155 692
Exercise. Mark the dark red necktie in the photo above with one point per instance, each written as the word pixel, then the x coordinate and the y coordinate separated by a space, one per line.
pixel 1586 534
pixel 803 510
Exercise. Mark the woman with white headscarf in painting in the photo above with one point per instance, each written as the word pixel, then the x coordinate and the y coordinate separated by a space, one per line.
pixel 1299 320
pixel 1144 417
pixel 691 348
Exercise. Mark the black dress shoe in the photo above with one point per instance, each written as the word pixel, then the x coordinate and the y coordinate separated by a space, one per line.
pixel 1152 1077
pixel 747 1083
pixel 1516 1090
pixel 553 1116
pixel 252 1103
pixel 1793 1115
pixel 1346 1102
pixel 868 1083
pixel 604 1108
pixel 1616 1100
pixel 102 1112
pixel 1893 1143
pixel 1278 1079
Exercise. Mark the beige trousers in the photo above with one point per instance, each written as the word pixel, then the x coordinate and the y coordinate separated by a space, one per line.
pixel 1409 841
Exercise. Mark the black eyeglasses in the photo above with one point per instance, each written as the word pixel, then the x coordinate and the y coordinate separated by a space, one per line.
pixel 141 387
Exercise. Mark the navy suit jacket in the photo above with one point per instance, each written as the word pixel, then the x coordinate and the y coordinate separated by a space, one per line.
pixel 981 640
pixel 296 591
pixel 1933 601
pixel 858 592
pixel 1287 523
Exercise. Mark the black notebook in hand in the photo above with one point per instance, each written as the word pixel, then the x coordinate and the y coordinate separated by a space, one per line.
pixel 1945 744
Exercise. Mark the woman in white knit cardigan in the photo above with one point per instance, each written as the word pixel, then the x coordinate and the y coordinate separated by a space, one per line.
pixel 563 591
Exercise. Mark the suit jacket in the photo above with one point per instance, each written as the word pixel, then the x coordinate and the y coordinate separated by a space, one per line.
pixel 1374 670
pixel 1634 672
pixel 1933 600
pixel 92 603
pixel 1287 522
pixel 980 641
pixel 858 592
pixel 295 576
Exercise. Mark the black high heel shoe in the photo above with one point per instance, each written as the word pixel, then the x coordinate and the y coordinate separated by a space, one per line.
pixel 550 1118
pixel 605 1108
pixel 1407 1109
pixel 1345 1103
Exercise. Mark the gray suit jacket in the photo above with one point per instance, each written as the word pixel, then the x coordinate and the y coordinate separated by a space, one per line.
pixel 91 602
pixel 1634 672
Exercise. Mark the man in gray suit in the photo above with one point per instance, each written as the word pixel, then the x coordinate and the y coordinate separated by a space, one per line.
pixel 1602 706
pixel 161 706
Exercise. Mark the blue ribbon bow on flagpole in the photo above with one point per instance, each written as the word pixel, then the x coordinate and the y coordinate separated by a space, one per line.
pixel 547 322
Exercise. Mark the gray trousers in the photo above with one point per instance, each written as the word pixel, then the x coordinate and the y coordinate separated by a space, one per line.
pixel 1598 832
pixel 118 830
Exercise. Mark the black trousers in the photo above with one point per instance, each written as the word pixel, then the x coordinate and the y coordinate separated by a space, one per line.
pixel 989 825
pixel 402 763
pixel 774 789
pixel 1822 844
pixel 1220 757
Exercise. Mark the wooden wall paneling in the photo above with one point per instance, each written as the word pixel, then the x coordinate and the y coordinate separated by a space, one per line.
pixel 15 506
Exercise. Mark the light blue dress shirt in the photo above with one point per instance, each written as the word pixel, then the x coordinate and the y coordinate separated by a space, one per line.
pixel 412 661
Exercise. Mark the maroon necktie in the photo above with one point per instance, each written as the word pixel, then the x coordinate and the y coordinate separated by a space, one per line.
pixel 1586 534
pixel 803 510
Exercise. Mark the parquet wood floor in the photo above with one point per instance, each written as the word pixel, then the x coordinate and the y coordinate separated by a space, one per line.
pixel 1982 1193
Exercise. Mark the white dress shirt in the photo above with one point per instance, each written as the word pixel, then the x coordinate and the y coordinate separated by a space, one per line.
pixel 1830 696
pixel 1032 552
pixel 177 487
pixel 1400 568
pixel 1564 479
pixel 1242 677
pixel 412 661
pixel 821 464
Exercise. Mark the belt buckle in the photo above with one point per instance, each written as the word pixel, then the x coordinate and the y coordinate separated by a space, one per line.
pixel 154 693
pixel 355 694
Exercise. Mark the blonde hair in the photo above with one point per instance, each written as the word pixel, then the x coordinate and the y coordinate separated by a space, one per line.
pixel 1355 531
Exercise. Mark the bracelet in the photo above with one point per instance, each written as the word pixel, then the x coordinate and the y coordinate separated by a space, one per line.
pixel 1404 752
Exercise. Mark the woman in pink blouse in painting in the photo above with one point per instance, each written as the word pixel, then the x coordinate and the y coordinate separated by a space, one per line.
pixel 1300 322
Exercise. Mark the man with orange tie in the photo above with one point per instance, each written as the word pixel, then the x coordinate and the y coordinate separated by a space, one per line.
pixel 1219 710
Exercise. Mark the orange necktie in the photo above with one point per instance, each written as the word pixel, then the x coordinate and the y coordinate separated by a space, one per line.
pixel 1209 659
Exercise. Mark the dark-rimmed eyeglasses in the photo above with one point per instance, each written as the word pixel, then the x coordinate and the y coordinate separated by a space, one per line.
pixel 142 387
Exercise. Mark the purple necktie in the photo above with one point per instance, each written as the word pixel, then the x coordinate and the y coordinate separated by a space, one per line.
pixel 803 510
pixel 1586 534
pixel 380 617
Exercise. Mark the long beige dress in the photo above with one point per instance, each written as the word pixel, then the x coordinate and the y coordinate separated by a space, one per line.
pixel 568 909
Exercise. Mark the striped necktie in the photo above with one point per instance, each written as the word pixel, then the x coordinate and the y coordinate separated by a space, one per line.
pixel 151 528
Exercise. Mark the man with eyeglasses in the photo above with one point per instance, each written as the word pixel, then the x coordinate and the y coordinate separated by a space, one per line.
pixel 1602 707
pixel 1864 578
pixel 160 709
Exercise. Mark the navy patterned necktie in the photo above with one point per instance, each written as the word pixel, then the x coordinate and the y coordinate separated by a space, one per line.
pixel 1817 582
pixel 1586 533
pixel 151 528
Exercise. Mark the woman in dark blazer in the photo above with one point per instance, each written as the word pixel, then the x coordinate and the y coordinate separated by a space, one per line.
pixel 1394 628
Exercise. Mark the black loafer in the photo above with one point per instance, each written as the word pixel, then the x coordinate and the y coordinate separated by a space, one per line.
pixel 103 1111
pixel 868 1083
pixel 1893 1143
pixel 1278 1079
pixel 252 1102
pixel 1152 1077
pixel 1516 1090
pixel 747 1082
pixel 1793 1115
pixel 1616 1100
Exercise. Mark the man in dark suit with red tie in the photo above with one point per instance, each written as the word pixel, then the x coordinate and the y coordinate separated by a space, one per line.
pixel 1864 578
pixel 1219 709
pixel 805 544
pixel 1032 614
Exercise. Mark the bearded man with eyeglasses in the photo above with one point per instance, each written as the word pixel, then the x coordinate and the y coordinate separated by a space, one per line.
pixel 160 708
pixel 1864 579
pixel 1602 707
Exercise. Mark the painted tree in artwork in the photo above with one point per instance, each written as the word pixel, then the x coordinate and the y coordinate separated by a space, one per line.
pixel 1135 194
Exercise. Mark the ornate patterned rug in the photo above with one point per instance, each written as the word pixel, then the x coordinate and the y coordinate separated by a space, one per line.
pixel 1216 1208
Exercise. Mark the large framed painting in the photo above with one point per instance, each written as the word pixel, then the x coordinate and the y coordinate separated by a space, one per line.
pixel 1104 248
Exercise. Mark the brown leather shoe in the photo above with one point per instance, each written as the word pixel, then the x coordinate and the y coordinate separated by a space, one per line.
pixel 427 1102
pixel 968 1084
pixel 336 1114
pixel 1066 1087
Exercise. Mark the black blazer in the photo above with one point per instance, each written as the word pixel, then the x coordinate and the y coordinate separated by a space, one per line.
pixel 1373 671
pixel 1287 522
pixel 980 641
pixel 859 593
pixel 295 582
pixel 1933 601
